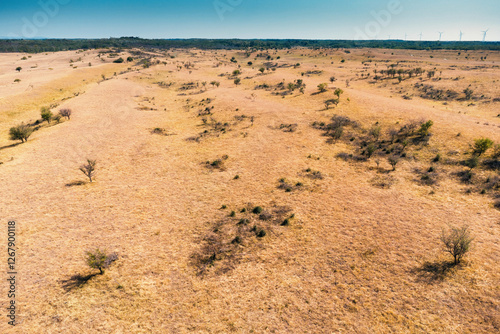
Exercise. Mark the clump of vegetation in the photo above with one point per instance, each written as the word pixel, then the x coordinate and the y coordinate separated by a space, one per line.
pixel 322 87
pixel 482 145
pixel 89 169
pixel 217 163
pixel 457 242
pixel 46 114
pixel 98 259
pixel 119 60
pixel 21 132
pixel 224 244
pixel 289 186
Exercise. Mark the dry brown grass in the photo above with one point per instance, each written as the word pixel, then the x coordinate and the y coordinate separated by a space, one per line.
pixel 359 256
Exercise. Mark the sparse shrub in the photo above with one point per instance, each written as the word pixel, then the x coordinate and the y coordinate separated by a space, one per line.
pixel 322 87
pixel 129 59
pixel 65 113
pixel 237 81
pixel 370 149
pixel 468 93
pixel 261 234
pixel 436 158
pixel 375 132
pixel 21 132
pixel 496 151
pixel 257 210
pixel 118 61
pixel 393 160
pixel 457 242
pixel 236 72
pixel 338 92
pixel 17 80
pixel 46 114
pixel 89 169
pixel 19 69
pixel 262 69
pixel 482 145
pixel 473 162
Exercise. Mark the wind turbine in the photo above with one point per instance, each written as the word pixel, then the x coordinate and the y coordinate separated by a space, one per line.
pixel 484 34
pixel 406 36
pixel 461 34
pixel 440 34
pixel 421 37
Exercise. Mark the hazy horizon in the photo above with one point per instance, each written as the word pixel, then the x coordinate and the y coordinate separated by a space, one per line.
pixel 222 19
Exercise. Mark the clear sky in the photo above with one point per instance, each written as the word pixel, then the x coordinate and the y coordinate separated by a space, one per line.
pixel 307 19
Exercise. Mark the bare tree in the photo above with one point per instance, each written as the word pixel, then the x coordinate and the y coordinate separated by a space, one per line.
pixel 457 242
pixel 65 113
pixel 88 169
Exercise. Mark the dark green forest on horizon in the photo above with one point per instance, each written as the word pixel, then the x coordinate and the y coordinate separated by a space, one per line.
pixel 53 45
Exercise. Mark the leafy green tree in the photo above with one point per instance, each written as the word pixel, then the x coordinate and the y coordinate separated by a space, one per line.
pixel 96 260
pixel 322 87
pixel 424 128
pixel 262 69
pixel 338 92
pixel 482 145
pixel 21 132
pixel 46 114
pixel 237 81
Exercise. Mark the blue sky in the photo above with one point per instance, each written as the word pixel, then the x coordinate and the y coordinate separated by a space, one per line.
pixel 308 19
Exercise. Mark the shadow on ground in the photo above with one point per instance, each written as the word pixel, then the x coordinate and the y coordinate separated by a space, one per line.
pixel 76 281
pixel 432 272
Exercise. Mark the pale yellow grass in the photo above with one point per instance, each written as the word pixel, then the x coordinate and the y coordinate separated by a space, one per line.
pixel 350 262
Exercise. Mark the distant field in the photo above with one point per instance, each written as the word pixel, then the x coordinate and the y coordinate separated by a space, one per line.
pixel 272 191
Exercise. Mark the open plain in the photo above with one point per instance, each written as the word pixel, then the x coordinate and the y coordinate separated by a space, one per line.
pixel 238 196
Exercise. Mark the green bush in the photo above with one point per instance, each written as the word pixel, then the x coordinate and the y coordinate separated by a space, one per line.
pixel 46 114
pixel 482 145
pixel 119 60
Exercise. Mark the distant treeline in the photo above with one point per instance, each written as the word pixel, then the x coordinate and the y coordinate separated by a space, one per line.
pixel 52 45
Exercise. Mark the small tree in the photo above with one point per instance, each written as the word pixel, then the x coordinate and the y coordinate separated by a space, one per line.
pixel 338 92
pixel 393 160
pixel 19 69
pixel 88 169
pixel 375 132
pixel 46 114
pixel 262 69
pixel 468 93
pixel 482 145
pixel 424 128
pixel 322 87
pixel 236 72
pixel 329 102
pixel 129 59
pixel 457 242
pixel 472 162
pixel 96 260
pixel 21 132
pixel 237 81
pixel 65 113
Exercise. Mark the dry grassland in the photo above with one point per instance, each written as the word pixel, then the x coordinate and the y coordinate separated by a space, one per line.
pixel 359 251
